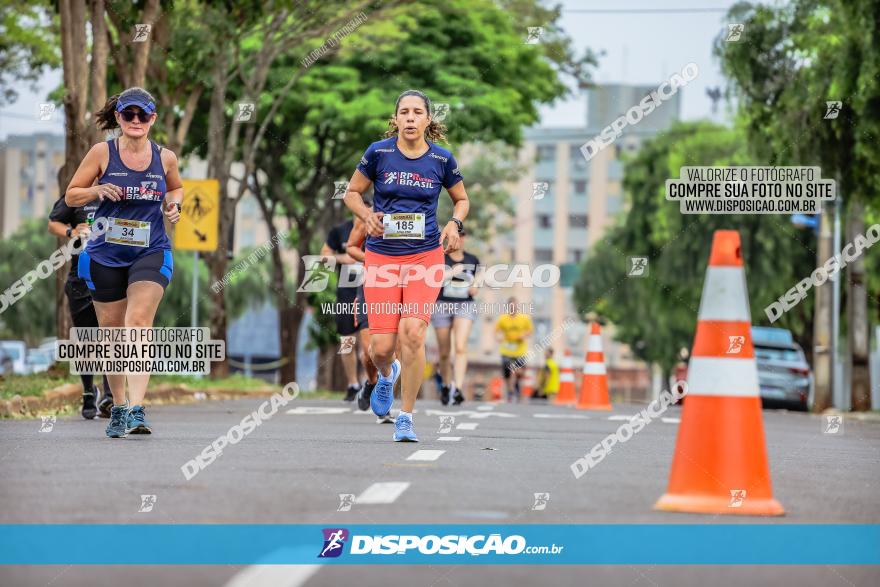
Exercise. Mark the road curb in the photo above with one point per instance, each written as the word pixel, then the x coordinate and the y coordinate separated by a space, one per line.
pixel 70 395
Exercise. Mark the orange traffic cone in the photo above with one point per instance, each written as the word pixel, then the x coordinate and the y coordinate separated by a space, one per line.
pixel 565 396
pixel 594 384
pixel 528 383
pixel 495 387
pixel 720 462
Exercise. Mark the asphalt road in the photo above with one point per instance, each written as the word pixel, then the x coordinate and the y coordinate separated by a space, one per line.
pixel 294 466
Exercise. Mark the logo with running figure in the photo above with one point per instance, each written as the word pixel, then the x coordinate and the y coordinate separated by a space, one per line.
pixel 334 542
pixel 318 272
pixel 390 177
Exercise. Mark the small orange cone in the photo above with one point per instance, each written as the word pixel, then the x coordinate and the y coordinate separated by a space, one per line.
pixel 495 387
pixel 566 396
pixel 528 383
pixel 594 384
pixel 720 462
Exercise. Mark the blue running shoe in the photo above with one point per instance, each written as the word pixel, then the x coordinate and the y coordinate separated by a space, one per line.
pixel 137 421
pixel 118 416
pixel 383 393
pixel 403 429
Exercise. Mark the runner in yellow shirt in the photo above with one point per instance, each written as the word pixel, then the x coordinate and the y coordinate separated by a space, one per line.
pixel 548 382
pixel 512 330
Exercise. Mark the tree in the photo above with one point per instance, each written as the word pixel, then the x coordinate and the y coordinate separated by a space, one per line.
pixel 795 58
pixel 20 253
pixel 28 46
pixel 657 315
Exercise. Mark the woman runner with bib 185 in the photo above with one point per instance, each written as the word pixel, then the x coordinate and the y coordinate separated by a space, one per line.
pixel 405 244
pixel 127 269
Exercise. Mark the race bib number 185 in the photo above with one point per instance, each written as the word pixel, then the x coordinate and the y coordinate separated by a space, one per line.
pixel 404 225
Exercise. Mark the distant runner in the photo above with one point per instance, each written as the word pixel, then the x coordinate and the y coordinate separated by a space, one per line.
pixel 512 330
pixel 405 243
pixel 452 320
pixel 345 323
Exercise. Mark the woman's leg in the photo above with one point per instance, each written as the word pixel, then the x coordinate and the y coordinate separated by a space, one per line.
pixel 143 301
pixel 444 344
pixel 112 315
pixel 461 330
pixel 412 333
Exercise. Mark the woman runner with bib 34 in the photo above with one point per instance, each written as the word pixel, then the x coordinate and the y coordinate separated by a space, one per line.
pixel 128 267
pixel 405 246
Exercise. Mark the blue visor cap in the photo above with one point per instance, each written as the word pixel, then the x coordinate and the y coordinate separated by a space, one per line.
pixel 136 99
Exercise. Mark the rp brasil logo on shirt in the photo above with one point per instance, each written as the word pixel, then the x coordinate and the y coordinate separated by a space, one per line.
pixel 410 179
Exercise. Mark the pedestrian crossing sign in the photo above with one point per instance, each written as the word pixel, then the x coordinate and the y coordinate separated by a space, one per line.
pixel 199 216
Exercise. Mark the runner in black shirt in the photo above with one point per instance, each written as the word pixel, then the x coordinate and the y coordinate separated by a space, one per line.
pixel 67 222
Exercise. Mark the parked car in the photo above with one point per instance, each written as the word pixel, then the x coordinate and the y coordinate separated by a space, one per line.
pixel 784 376
pixel 6 367
pixel 39 360
pixel 17 351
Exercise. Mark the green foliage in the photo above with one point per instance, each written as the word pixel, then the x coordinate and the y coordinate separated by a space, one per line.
pixel 28 44
pixel 21 252
pixel 796 56
pixel 656 315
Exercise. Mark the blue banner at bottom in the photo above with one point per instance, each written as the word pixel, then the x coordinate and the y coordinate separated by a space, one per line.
pixel 413 544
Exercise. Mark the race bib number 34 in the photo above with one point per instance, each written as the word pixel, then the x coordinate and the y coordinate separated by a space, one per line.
pixel 404 225
pixel 131 233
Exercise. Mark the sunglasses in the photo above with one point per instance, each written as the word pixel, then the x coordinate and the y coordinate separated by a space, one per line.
pixel 129 115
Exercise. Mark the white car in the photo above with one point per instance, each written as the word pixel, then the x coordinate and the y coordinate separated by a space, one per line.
pixel 16 350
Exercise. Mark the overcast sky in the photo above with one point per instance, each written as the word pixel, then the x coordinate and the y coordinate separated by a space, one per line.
pixel 644 42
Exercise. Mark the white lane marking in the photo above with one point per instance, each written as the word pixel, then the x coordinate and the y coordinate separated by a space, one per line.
pixel 449 438
pixel 425 455
pixel 485 408
pixel 273 576
pixel 467 426
pixel 470 414
pixel 382 492
pixel 620 418
pixel 671 420
pixel 566 416
pixel 316 411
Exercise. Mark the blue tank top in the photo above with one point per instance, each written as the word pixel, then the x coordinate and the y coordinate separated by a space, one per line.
pixel 136 224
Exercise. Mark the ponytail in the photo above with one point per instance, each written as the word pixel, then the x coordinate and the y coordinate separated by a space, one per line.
pixel 105 118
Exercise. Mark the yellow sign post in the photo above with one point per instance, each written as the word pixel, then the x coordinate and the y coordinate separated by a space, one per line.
pixel 199 216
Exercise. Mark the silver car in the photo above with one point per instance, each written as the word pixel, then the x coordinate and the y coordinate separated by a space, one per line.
pixel 784 375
